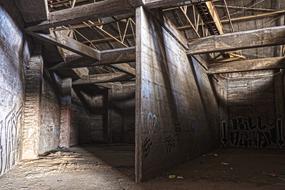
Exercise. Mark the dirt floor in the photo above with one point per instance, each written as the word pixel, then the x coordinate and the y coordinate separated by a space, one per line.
pixel 112 167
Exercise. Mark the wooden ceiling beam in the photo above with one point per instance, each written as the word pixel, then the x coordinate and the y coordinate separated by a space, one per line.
pixel 83 50
pixel 101 9
pixel 70 44
pixel 244 18
pixel 247 65
pixel 238 40
pixel 86 12
pixel 101 78
pixel 152 4
pixel 126 68
pixel 108 57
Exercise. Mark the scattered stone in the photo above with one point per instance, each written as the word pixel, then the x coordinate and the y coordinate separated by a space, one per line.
pixel 225 163
pixel 273 174
pixel 171 176
pixel 180 177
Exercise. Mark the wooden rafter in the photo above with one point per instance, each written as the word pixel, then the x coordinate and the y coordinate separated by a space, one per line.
pixel 239 40
pixel 101 78
pixel 247 65
pixel 108 57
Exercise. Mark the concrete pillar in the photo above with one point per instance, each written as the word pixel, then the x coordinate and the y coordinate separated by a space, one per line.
pixel 279 107
pixel 31 127
pixel 65 114
pixel 107 128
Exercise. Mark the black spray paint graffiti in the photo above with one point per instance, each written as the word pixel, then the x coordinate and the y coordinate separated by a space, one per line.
pixel 146 147
pixel 152 126
pixel 152 123
pixel 170 142
pixel 8 139
pixel 252 133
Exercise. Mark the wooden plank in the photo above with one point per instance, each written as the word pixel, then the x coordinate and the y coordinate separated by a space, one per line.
pixel 108 57
pixel 70 44
pixel 247 65
pixel 101 78
pixel 238 40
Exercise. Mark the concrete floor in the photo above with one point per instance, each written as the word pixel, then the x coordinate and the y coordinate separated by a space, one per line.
pixel 112 167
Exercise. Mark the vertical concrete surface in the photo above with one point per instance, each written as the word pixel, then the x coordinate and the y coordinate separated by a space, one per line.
pixel 65 114
pixel 171 121
pixel 14 54
pixel 31 128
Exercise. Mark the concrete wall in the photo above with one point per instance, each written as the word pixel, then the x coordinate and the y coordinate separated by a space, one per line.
pixel 171 122
pixel 90 126
pixel 120 109
pixel 41 126
pixel 14 54
pixel 251 109
pixel 50 119
pixel 32 108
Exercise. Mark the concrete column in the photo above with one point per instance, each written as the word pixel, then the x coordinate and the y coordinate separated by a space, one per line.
pixel 279 107
pixel 65 114
pixel 31 127
pixel 107 128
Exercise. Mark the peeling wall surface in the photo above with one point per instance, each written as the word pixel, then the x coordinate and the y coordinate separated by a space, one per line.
pixel 14 54
pixel 252 109
pixel 171 122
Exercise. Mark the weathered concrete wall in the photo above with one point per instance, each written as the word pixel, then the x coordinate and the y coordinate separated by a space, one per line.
pixel 208 98
pixel 171 123
pixel 41 127
pixel 50 119
pixel 252 109
pixel 120 109
pixel 32 108
pixel 14 54
pixel 66 114
pixel 89 126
